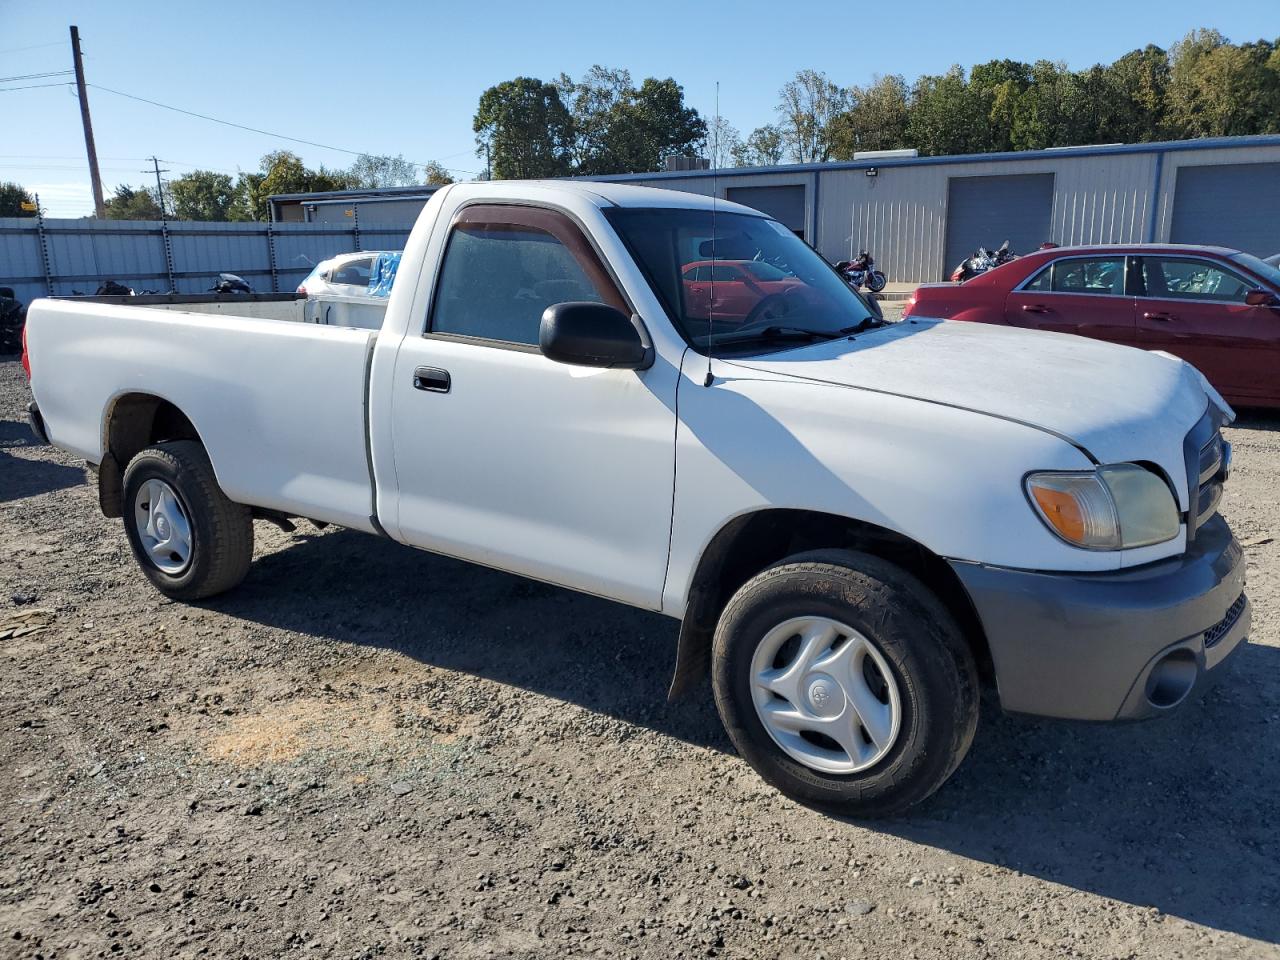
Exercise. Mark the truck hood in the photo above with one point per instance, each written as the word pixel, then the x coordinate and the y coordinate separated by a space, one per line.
pixel 1116 403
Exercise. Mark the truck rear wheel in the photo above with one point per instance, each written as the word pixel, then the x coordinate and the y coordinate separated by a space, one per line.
pixel 845 683
pixel 188 538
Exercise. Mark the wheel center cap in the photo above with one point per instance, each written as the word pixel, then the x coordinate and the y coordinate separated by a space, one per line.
pixel 824 696
pixel 162 527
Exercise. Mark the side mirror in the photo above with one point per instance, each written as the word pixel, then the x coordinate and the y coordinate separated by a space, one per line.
pixel 1261 298
pixel 592 335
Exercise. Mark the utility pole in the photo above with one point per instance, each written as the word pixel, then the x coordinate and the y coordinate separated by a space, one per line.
pixel 155 163
pixel 99 208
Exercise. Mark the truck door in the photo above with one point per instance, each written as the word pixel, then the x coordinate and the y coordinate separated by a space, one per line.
pixel 509 459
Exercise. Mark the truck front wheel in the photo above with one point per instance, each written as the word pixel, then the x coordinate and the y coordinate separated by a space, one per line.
pixel 845 683
pixel 188 538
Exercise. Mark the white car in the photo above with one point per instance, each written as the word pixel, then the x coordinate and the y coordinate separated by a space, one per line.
pixel 339 291
pixel 857 523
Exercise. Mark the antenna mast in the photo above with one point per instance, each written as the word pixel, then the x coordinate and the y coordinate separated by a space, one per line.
pixel 715 191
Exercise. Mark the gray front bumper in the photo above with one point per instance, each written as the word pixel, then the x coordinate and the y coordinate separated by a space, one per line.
pixel 1117 645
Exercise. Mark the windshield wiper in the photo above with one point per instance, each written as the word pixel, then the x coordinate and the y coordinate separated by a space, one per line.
pixel 776 331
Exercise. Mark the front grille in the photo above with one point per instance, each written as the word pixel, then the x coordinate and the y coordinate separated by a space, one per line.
pixel 1223 626
pixel 1213 465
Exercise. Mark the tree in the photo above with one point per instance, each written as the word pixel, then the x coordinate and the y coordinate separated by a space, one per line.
pixel 1218 89
pixel 619 128
pixel 12 197
pixel 130 204
pixel 250 202
pixel 723 144
pixel 993 92
pixel 374 172
pixel 434 175
pixel 943 118
pixel 808 105
pixel 876 118
pixel 1055 111
pixel 202 195
pixel 1139 96
pixel 762 148
pixel 525 129
pixel 282 171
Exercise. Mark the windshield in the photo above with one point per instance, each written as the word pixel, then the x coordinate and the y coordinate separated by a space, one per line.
pixel 1260 267
pixel 750 277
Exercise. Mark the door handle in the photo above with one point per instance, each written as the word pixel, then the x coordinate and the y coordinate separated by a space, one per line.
pixel 1159 316
pixel 1034 308
pixel 432 379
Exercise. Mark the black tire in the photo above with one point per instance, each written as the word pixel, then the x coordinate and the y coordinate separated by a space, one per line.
pixel 930 662
pixel 876 281
pixel 221 531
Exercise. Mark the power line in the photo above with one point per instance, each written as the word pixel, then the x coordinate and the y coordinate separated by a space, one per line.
pixel 37 76
pixel 36 46
pixel 36 86
pixel 265 133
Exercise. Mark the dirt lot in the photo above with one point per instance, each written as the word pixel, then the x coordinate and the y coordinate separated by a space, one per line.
pixel 370 751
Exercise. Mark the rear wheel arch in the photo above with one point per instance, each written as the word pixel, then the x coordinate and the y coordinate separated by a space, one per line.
pixel 134 422
pixel 749 543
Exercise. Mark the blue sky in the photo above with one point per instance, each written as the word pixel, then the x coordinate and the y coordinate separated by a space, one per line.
pixel 391 77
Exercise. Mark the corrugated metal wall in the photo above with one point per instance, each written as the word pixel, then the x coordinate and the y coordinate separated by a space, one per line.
pixel 900 214
pixel 84 253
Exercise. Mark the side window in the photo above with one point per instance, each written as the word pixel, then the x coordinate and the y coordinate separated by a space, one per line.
pixel 1099 275
pixel 1040 283
pixel 722 274
pixel 1188 279
pixel 354 272
pixel 504 266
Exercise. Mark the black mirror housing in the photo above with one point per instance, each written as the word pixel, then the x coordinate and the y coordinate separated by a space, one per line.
pixel 590 334
pixel 1261 298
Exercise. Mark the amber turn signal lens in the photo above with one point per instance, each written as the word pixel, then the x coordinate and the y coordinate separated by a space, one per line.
pixel 1063 512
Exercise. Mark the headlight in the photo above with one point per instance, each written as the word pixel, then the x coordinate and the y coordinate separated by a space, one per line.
pixel 1113 508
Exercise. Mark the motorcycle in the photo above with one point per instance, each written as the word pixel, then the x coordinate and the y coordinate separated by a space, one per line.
pixel 13 317
pixel 230 283
pixel 981 261
pixel 860 272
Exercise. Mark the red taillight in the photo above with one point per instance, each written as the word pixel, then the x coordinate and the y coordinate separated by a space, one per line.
pixel 26 358
pixel 911 302
pixel 302 291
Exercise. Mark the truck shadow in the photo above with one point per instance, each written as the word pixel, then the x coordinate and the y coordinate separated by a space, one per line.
pixel 20 477
pixel 1176 815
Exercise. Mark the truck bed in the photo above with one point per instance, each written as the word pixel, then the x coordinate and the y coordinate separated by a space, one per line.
pixel 280 406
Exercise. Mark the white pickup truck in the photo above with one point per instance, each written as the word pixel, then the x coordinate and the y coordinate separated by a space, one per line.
pixel 678 405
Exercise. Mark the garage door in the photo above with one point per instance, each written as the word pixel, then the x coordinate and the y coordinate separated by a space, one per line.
pixel 784 204
pixel 986 211
pixel 1233 205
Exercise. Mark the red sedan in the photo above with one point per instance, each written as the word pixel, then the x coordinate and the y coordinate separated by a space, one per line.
pixel 1219 309
pixel 741 288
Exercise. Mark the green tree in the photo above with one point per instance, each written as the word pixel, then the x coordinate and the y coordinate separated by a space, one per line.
pixel 1218 89
pixel 382 171
pixel 249 202
pixel 526 130
pixel 435 175
pixel 723 144
pixel 126 203
pixel 620 128
pixel 876 118
pixel 993 91
pixel 762 148
pixel 12 197
pixel 943 118
pixel 1138 93
pixel 281 171
pixel 202 195
pixel 808 104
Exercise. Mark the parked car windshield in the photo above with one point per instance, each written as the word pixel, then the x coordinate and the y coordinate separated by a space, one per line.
pixel 748 284
pixel 1260 267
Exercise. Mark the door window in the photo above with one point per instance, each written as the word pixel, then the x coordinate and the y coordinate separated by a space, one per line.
pixel 354 272
pixel 1169 278
pixel 505 265
pixel 1097 275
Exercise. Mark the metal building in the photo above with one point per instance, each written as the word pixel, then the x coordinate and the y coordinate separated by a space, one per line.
pixel 921 215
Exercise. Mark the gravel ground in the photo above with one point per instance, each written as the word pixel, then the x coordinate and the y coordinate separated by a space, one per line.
pixel 367 750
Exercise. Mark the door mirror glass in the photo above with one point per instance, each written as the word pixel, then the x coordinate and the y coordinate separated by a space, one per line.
pixel 592 335
pixel 1261 298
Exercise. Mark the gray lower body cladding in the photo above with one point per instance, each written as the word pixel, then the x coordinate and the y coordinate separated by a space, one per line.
pixel 1122 645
